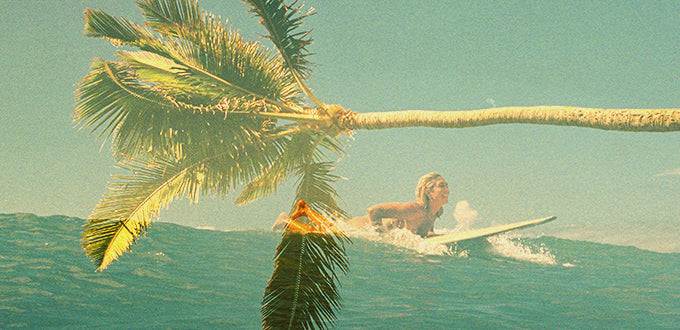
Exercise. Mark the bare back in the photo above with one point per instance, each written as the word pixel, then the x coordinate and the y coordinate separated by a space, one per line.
pixel 410 215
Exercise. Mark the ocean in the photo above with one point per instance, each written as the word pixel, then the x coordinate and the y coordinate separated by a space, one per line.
pixel 179 277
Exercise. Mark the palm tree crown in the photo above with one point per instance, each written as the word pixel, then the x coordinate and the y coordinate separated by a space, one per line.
pixel 196 111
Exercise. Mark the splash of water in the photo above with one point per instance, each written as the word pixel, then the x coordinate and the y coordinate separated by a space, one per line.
pixel 399 237
pixel 501 245
pixel 464 215
pixel 505 247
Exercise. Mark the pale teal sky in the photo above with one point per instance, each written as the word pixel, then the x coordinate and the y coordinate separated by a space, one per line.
pixel 613 187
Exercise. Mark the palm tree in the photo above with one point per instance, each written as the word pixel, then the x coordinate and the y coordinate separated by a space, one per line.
pixel 196 110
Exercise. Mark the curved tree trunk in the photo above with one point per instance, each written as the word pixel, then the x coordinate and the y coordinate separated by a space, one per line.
pixel 650 120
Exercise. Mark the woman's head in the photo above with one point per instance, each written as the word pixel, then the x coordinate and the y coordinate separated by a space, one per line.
pixel 426 186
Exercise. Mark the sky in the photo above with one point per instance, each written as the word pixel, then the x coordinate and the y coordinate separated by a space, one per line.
pixel 611 187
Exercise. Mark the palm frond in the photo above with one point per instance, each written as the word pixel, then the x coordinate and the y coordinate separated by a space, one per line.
pixel 106 95
pixel 284 24
pixel 315 179
pixel 334 145
pixel 120 31
pixel 180 81
pixel 314 187
pixel 294 150
pixel 174 17
pixel 127 210
pixel 302 293
pixel 303 146
pixel 99 24
pixel 208 55
pixel 190 83
pixel 213 51
pixel 111 99
pixel 132 201
pixel 266 183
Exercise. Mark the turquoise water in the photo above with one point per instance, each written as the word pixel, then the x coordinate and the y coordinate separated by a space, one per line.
pixel 180 277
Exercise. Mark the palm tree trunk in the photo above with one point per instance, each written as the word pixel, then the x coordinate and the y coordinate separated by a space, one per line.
pixel 650 120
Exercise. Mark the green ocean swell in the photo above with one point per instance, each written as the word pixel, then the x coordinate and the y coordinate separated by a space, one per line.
pixel 180 277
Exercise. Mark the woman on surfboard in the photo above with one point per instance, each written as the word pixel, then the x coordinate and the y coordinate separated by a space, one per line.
pixel 417 216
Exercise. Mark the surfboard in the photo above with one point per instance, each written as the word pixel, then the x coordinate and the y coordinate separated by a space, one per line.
pixel 484 232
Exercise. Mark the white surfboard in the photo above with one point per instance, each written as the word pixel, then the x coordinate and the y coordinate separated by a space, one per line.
pixel 483 232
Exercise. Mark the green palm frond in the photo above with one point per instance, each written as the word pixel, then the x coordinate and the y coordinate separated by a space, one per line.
pixel 119 31
pixel 126 211
pixel 108 93
pixel 184 83
pixel 214 52
pixel 208 55
pixel 133 200
pixel 302 293
pixel 314 187
pixel 189 82
pixel 170 16
pixel 284 24
pixel 267 182
pixel 143 120
pixel 296 150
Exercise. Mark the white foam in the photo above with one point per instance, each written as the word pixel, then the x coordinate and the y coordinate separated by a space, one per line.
pixel 401 238
pixel 504 246
pixel 501 245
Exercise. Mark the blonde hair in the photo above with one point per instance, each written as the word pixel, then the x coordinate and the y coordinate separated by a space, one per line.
pixel 427 182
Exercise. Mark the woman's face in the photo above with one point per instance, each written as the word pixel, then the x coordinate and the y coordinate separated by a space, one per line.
pixel 439 192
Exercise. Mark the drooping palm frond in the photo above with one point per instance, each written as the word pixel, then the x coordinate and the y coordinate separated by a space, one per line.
pixel 267 182
pixel 303 146
pixel 284 23
pixel 144 120
pixel 303 291
pixel 314 187
pixel 127 210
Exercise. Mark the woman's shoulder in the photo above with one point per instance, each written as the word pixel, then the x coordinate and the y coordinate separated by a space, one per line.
pixel 399 206
pixel 409 206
